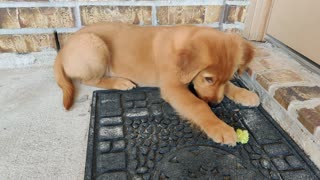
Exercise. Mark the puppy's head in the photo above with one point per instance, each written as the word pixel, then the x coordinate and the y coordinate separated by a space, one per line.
pixel 218 56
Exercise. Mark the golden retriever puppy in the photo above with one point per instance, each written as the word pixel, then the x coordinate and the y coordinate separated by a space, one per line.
pixel 121 56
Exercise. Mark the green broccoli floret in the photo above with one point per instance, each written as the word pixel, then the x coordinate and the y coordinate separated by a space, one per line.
pixel 243 136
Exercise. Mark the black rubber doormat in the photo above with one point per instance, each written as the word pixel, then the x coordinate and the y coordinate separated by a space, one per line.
pixel 136 135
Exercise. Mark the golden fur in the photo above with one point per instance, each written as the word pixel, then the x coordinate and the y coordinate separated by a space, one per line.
pixel 121 56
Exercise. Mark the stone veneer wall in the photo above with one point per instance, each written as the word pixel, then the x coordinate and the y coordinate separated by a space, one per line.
pixel 290 93
pixel 28 25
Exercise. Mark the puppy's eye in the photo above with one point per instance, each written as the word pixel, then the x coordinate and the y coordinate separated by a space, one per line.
pixel 209 80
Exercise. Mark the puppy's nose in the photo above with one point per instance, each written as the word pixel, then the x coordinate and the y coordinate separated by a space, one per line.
pixel 213 105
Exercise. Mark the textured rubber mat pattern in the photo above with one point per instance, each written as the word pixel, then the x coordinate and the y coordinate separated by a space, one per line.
pixel 136 135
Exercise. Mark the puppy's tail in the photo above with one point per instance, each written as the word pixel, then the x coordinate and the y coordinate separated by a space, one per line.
pixel 65 83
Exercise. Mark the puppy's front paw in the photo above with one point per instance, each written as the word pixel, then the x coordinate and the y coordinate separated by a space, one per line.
pixel 247 98
pixel 222 133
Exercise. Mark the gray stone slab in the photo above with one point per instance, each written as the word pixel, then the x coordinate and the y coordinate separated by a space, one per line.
pixel 111 132
pixel 111 162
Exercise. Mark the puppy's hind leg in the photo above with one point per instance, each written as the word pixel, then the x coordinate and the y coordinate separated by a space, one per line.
pixel 111 83
pixel 89 61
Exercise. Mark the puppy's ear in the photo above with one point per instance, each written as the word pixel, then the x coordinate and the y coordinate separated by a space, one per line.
pixel 187 65
pixel 247 55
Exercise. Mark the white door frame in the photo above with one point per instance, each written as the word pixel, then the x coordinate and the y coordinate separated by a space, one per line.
pixel 257 19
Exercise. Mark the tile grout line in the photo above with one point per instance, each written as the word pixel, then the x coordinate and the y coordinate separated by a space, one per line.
pixel 296 105
pixel 274 87
pixel 112 3
pixel 238 3
pixel 77 15
pixel 123 3
pixel 154 16
pixel 223 11
pixel 35 30
pixel 73 29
